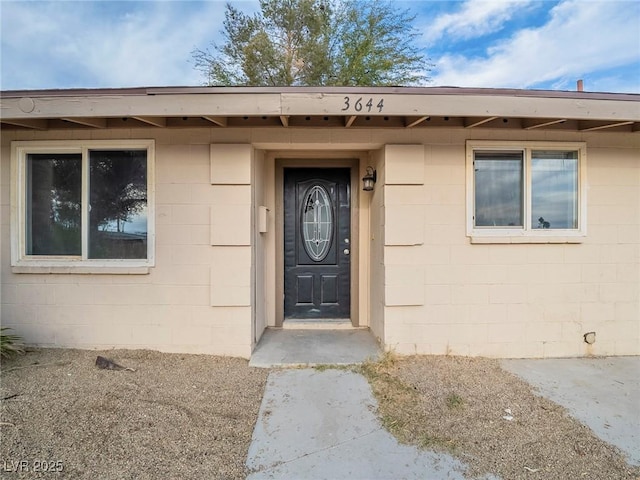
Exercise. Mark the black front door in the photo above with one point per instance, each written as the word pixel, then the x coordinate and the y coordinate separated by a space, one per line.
pixel 317 243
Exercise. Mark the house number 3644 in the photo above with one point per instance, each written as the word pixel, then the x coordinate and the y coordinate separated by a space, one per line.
pixel 361 104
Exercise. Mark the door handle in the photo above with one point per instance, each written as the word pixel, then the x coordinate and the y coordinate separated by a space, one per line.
pixel 346 251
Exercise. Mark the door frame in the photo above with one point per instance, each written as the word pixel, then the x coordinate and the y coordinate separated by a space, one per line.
pixel 349 160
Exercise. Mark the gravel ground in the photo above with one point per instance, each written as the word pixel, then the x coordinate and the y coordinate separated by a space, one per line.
pixel 490 419
pixel 192 416
pixel 176 416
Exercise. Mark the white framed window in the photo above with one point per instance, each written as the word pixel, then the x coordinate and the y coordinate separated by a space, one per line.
pixel 521 192
pixel 83 206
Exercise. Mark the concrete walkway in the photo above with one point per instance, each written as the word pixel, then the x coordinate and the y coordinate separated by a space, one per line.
pixel 322 425
pixel 602 393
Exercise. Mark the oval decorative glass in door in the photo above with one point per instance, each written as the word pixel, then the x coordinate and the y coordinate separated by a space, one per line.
pixel 317 222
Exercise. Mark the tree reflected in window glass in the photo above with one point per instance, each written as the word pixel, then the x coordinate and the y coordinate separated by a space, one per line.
pixel 53 204
pixel 498 188
pixel 118 204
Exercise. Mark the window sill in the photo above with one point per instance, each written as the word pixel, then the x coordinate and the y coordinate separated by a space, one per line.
pixel 82 269
pixel 523 239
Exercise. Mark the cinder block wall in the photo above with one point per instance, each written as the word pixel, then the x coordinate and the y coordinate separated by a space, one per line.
pixel 444 295
pixel 433 291
pixel 197 298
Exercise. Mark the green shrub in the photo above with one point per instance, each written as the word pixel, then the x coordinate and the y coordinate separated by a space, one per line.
pixel 10 344
pixel 454 401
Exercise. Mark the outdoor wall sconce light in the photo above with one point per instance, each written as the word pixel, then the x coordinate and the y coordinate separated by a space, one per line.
pixel 369 179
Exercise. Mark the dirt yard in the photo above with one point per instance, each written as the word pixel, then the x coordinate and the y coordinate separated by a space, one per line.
pixel 177 416
pixel 490 419
pixel 191 417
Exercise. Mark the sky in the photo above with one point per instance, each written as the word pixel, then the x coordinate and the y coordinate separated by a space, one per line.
pixel 541 44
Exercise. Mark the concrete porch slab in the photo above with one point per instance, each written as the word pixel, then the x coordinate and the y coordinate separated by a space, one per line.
pixel 309 347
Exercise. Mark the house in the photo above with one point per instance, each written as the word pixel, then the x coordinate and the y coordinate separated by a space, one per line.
pixel 480 222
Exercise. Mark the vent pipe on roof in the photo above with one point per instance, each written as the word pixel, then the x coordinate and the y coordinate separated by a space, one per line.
pixel 580 86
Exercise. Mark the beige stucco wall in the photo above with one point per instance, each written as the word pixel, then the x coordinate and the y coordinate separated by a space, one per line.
pixel 376 250
pixel 447 296
pixel 262 216
pixel 430 290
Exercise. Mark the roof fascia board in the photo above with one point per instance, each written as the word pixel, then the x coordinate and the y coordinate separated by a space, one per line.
pixel 509 92
pixel 463 106
pixel 285 104
pixel 144 106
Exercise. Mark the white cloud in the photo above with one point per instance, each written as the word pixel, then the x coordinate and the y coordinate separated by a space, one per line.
pixel 117 44
pixel 474 19
pixel 146 49
pixel 105 44
pixel 581 38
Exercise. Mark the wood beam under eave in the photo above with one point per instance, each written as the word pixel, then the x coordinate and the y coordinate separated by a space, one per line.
pixel 532 124
pixel 478 122
pixel 606 125
pixel 413 121
pixel 349 121
pixel 285 120
pixel 155 121
pixel 220 121
pixel 34 123
pixel 88 122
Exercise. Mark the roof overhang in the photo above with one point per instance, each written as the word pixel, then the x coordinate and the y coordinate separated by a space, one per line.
pixel 328 107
